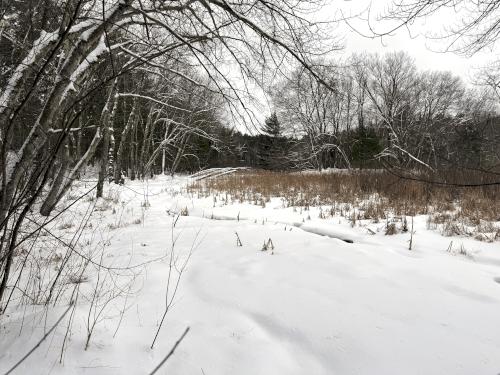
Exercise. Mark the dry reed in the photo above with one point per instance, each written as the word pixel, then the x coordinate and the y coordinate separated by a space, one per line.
pixel 375 194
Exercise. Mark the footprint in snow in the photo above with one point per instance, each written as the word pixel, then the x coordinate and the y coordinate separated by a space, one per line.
pixel 497 280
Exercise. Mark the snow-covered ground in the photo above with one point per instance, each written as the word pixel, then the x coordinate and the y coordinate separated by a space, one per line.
pixel 316 304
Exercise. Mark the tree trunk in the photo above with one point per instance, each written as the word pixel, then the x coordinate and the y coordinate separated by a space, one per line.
pixel 123 140
pixel 103 165
pixel 180 153
pixel 133 152
pixel 148 131
pixel 107 118
pixel 53 197
pixel 111 128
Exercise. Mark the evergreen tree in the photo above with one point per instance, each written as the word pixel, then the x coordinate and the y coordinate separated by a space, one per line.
pixel 272 145
pixel 366 145
pixel 272 127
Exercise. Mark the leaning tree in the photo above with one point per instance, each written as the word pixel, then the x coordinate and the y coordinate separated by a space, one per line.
pixel 67 76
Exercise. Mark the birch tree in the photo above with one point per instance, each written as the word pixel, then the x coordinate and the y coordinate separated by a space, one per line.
pixel 52 81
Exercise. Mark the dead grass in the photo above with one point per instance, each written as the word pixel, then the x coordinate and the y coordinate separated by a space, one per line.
pixel 372 194
pixel 391 229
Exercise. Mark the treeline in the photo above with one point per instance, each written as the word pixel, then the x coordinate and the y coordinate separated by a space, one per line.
pixel 377 108
pixel 165 125
pixel 471 146
pixel 374 109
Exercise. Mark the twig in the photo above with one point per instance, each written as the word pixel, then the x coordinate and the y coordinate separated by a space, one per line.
pixel 171 266
pixel 238 241
pixel 411 236
pixel 171 352
pixel 40 342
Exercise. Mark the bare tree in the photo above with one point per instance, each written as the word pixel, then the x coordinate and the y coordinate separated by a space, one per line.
pixel 54 79
pixel 468 27
pixel 317 112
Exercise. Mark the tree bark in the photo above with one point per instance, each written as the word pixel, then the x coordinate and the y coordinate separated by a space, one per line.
pixel 107 118
pixel 123 140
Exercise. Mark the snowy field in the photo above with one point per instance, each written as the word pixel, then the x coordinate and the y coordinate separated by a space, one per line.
pixel 311 304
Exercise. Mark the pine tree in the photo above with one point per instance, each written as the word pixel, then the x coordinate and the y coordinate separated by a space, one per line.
pixel 272 145
pixel 366 145
pixel 272 127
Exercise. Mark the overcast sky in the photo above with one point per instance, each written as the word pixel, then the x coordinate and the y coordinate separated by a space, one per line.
pixel 428 53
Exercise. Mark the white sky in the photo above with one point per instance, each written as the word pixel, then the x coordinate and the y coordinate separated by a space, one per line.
pixel 428 53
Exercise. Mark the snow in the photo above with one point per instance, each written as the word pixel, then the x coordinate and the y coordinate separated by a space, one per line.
pixel 319 305
pixel 39 45
pixel 90 59
pixel 12 158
